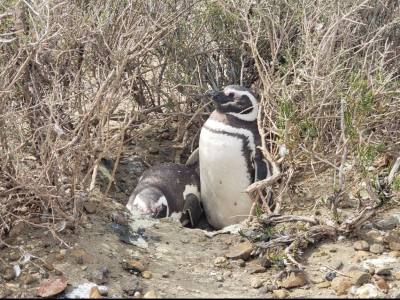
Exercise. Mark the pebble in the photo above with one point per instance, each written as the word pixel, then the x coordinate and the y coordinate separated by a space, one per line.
pixel 389 223
pixel 341 285
pixel 153 150
pixel 14 256
pixel 394 254
pixel 381 284
pixel 165 275
pixel 361 245
pixel 220 261
pixel 366 291
pixel 361 255
pixel 94 293
pixel 133 265
pixel 374 236
pixel 137 295
pixel 383 271
pixel 295 279
pixel 220 278
pixel 9 274
pixel 80 256
pixel 281 294
pixel 323 285
pixel 397 275
pixel 147 274
pixel 241 263
pixel 394 246
pixel 103 290
pixel 100 276
pixel 376 248
pixel 150 294
pixel 29 279
pixel 256 283
pixel 330 275
pixel 240 251
pixel 359 277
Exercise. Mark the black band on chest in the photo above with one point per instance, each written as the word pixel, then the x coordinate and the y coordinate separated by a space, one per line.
pixel 245 148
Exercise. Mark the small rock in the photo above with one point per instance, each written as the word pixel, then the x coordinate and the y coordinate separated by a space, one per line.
pixel 29 279
pixel 242 250
pixel 361 245
pixel 14 256
pixel 150 294
pixel 366 291
pixel 376 248
pixel 341 285
pixel 153 150
pixel 330 275
pixel 147 274
pixel 220 278
pixel 374 236
pixel 51 287
pixel 48 266
pixel 137 295
pixel 133 265
pixel 100 276
pixel 394 254
pixel 9 274
pixel 323 285
pixel 397 275
pixel 165 275
pixel 103 290
pixel 220 261
pixel 394 246
pixel 94 293
pixel 389 223
pixel 241 263
pixel 361 255
pixel 381 284
pixel 358 278
pixel 281 294
pixel 383 271
pixel 90 207
pixel 256 283
pixel 80 256
pixel 295 279
pixel 254 267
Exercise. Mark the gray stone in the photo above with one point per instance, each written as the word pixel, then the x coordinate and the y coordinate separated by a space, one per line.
pixel 361 245
pixel 376 248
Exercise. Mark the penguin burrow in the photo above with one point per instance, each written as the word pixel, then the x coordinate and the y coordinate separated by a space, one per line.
pixel 166 189
pixel 229 157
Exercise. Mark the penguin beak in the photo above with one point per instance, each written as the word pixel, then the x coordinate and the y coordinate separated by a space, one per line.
pixel 219 97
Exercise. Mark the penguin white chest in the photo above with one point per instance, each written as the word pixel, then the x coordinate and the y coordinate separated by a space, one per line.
pixel 224 176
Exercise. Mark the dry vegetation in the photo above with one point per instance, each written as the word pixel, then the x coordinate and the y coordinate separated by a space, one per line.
pixel 78 78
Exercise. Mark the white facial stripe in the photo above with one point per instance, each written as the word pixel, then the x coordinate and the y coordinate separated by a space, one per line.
pixel 162 201
pixel 251 116
pixel 227 128
pixel 191 189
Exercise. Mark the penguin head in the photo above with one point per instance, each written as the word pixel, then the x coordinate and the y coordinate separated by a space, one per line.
pixel 150 202
pixel 237 101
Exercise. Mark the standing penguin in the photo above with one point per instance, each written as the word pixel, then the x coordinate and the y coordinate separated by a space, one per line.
pixel 166 189
pixel 229 158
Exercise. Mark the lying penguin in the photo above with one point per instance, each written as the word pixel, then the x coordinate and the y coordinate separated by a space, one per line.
pixel 166 189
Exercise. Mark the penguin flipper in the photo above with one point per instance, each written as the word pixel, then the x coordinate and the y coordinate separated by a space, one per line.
pixel 191 210
pixel 193 158
pixel 261 168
